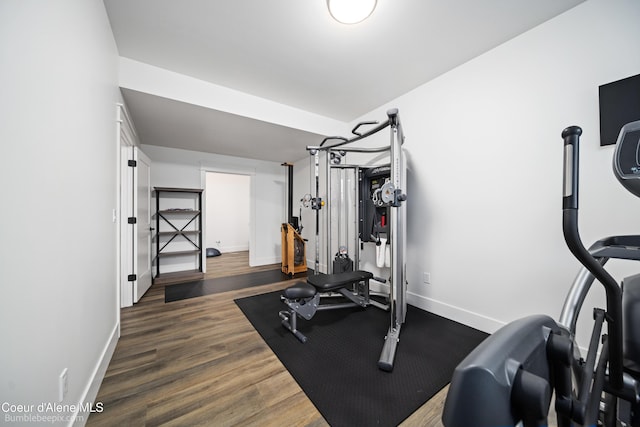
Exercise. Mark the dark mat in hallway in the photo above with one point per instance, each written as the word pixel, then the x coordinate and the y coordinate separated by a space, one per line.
pixel 223 284
pixel 337 367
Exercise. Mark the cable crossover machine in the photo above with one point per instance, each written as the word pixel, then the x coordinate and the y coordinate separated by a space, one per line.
pixel 379 220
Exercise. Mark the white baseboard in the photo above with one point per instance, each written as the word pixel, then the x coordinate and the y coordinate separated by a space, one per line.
pixel 91 391
pixel 233 248
pixel 263 261
pixel 469 318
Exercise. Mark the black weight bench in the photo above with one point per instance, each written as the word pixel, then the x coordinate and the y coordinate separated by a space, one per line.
pixel 303 298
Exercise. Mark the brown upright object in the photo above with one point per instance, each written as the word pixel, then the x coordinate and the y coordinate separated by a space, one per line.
pixel 291 241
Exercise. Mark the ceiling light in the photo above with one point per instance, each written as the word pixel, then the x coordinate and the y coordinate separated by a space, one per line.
pixel 351 11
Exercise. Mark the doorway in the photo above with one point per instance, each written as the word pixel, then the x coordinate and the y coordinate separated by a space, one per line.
pixel 227 216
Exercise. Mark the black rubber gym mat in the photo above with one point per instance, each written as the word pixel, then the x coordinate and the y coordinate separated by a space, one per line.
pixel 337 366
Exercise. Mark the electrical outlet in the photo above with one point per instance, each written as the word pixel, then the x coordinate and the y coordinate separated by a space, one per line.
pixel 426 278
pixel 63 385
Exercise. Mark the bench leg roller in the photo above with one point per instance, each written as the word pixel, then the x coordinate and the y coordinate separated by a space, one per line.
pixel 290 321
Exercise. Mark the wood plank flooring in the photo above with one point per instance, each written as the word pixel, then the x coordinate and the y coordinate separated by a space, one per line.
pixel 233 263
pixel 200 362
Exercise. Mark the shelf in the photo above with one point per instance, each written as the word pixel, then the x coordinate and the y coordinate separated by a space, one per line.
pixel 178 253
pixel 177 233
pixel 177 211
pixel 180 214
pixel 179 190
pixel 178 277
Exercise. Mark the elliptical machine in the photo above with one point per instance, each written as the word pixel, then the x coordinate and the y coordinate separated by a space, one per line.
pixel 509 379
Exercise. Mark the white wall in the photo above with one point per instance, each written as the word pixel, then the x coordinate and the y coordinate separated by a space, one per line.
pixel 228 205
pixel 59 305
pixel 187 169
pixel 485 167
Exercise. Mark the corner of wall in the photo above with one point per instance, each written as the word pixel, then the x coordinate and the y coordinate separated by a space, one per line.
pixel 81 416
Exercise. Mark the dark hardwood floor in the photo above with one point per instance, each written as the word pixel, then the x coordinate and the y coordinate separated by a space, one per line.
pixel 200 362
pixel 233 263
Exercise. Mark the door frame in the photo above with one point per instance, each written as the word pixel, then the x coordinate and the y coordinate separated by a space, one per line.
pixel 127 140
pixel 142 227
pixel 252 198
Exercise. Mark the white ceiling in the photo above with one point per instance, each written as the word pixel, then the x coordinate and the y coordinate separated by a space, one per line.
pixel 292 52
pixel 168 123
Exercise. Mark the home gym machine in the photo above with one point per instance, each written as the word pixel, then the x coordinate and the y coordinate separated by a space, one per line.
pixel 380 215
pixel 509 378
pixel 293 249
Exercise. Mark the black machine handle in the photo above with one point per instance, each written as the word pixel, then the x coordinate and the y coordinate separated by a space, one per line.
pixel 571 137
pixel 392 121
pixel 368 123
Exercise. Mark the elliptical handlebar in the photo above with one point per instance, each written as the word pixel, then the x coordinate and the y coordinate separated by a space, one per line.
pixel 571 137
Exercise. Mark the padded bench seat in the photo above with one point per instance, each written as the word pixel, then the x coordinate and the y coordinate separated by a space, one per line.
pixel 331 282
pixel 303 298
pixel 299 290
